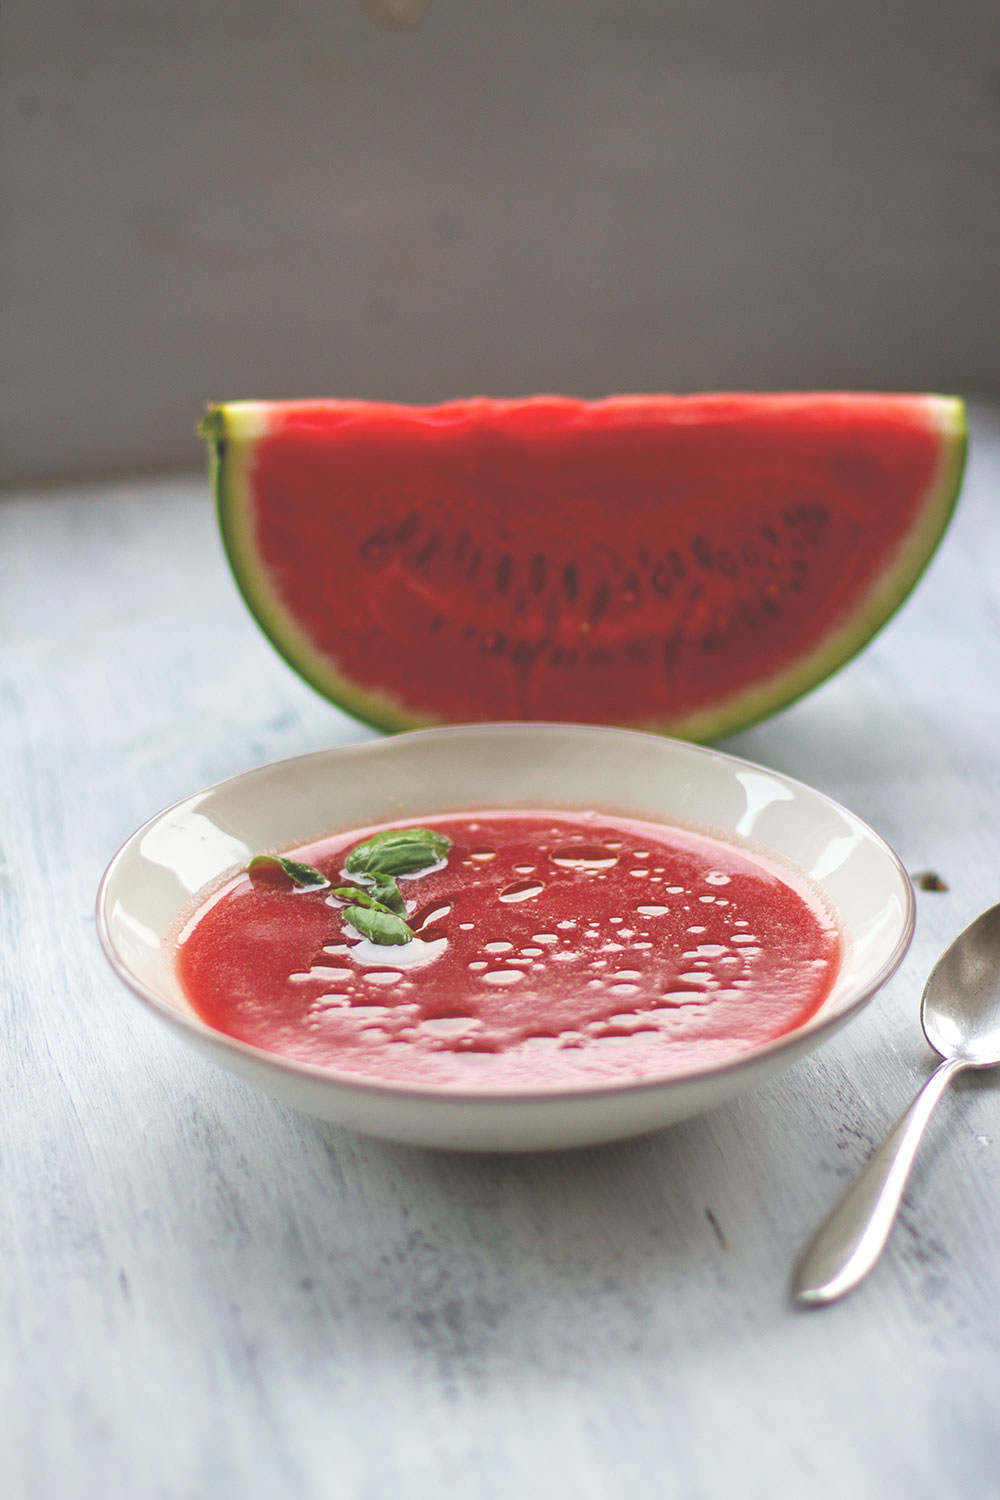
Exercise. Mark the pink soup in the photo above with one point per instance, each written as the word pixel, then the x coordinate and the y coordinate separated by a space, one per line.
pixel 551 950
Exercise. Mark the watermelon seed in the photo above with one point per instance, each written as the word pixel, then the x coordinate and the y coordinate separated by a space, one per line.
pixel 702 551
pixel 571 581
pixel 505 568
pixel 539 569
pixel 662 583
pixel 407 528
pixel 632 589
pixel 599 602
pixel 428 550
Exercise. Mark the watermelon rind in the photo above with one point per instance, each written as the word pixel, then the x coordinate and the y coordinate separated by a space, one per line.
pixel 947 416
pixel 234 428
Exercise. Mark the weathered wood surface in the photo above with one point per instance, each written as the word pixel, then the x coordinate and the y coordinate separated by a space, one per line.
pixel 208 1295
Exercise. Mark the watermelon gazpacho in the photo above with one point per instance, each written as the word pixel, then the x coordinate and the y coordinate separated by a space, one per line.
pixel 684 564
pixel 506 950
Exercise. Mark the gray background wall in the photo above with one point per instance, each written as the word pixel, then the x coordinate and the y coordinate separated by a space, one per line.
pixel 220 198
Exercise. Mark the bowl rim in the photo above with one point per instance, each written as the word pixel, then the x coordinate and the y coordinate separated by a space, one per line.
pixel 201 1033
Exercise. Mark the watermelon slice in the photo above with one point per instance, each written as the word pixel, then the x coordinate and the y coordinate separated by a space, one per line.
pixel 682 564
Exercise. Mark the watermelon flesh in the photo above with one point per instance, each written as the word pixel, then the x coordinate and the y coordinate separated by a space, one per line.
pixel 682 564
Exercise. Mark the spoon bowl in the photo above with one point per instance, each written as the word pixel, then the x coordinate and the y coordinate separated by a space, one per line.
pixel 960 1011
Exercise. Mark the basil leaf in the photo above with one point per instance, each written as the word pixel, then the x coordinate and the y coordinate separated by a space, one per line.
pixel 356 895
pixel 398 851
pixel 271 868
pixel 380 926
pixel 384 893
pixel 387 893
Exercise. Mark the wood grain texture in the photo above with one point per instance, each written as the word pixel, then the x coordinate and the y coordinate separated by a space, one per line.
pixel 205 1294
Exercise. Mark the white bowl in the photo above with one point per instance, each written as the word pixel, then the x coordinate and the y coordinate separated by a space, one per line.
pixel 157 874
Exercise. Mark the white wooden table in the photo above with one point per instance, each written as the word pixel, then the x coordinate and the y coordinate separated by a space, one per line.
pixel 206 1295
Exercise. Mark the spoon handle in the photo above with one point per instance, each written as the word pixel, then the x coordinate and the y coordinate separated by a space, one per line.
pixel 852 1237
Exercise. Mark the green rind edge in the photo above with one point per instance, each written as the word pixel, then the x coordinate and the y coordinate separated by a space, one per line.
pixel 232 430
pixel 861 627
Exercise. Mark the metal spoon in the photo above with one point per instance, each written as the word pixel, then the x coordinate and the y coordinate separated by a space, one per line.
pixel 960 1014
